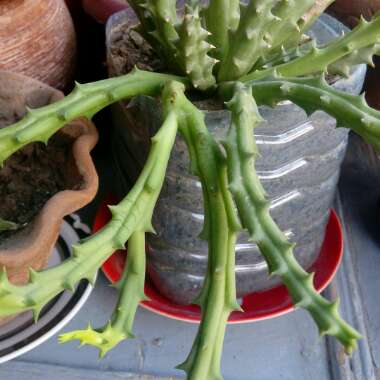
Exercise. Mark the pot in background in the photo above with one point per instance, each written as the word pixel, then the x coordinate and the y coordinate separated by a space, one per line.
pixel 349 11
pixel 37 39
pixel 101 10
pixel 31 246
pixel 299 166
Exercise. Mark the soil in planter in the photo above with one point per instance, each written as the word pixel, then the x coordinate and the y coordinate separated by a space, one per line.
pixel 29 178
pixel 129 49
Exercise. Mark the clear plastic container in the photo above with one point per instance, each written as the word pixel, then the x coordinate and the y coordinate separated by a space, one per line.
pixel 299 166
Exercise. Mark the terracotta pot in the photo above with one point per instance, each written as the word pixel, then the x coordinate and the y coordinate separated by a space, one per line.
pixel 349 11
pixel 31 246
pixel 37 39
pixel 101 10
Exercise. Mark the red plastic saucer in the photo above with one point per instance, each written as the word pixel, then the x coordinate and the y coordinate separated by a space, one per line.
pixel 258 305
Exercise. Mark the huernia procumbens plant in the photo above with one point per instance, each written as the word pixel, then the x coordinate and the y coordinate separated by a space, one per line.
pixel 249 55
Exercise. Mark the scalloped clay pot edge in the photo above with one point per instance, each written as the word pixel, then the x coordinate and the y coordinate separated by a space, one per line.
pixel 31 247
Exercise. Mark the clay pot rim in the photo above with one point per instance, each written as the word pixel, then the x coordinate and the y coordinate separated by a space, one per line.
pixel 46 225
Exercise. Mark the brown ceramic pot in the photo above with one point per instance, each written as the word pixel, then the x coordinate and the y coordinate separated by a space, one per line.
pixel 349 11
pixel 32 246
pixel 37 39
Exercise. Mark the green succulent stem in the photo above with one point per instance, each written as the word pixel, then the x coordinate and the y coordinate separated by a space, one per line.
pixel 193 50
pixel 290 33
pixel 247 41
pixel 285 29
pixel 132 214
pixel 284 55
pixel 131 293
pixel 365 35
pixel 163 14
pixel 253 209
pixel 221 17
pixel 312 94
pixel 218 297
pixel 86 100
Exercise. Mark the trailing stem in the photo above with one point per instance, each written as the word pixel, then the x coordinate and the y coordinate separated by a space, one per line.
pixel 85 101
pixel 131 293
pixel 314 94
pixel 218 298
pixel 253 209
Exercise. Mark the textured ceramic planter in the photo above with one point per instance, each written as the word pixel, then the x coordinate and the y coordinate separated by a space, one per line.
pixel 37 39
pixel 31 246
pixel 299 167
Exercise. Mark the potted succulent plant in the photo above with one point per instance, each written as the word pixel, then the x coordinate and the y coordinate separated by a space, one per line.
pixel 246 55
pixel 298 172
pixel 40 185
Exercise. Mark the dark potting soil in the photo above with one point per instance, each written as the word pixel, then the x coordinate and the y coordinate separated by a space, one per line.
pixel 29 178
pixel 129 49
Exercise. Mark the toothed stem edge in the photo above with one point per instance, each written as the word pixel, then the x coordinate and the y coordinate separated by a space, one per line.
pixel 221 224
pixel 131 293
pixel 317 60
pixel 312 94
pixel 40 124
pixel 253 209
pixel 247 41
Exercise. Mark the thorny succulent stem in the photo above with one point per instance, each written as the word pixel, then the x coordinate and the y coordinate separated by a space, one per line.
pixel 221 18
pixel 296 18
pixel 313 93
pixel 132 214
pixel 163 16
pixel 247 41
pixel 131 293
pixel 253 209
pixel 85 101
pixel 218 297
pixel 285 28
pixel 193 50
pixel 365 35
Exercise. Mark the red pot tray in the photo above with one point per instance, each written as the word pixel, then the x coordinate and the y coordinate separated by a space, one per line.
pixel 257 305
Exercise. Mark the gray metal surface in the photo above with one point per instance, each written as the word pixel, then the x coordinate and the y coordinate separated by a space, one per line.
pixel 285 348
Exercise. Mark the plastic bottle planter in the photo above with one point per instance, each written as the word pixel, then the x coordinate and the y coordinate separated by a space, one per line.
pixel 299 166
